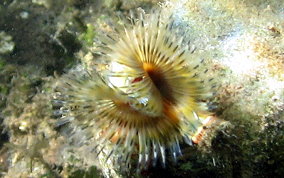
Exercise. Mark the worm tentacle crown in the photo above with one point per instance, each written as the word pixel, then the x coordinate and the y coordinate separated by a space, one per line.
pixel 147 100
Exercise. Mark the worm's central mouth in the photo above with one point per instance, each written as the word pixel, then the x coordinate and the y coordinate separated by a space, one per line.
pixel 158 78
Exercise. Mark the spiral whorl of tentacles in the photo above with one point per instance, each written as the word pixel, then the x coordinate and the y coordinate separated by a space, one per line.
pixel 147 99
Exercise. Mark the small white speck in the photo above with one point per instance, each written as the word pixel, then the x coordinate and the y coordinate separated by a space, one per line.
pixel 24 15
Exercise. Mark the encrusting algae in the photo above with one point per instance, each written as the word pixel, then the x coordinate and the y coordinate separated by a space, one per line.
pixel 149 96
